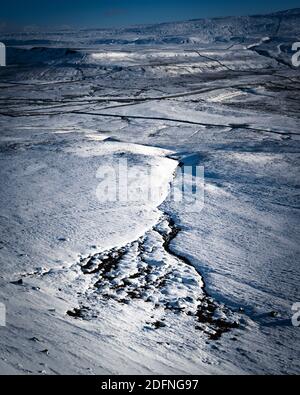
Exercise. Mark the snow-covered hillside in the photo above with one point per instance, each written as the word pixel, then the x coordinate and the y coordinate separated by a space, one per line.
pixel 284 24
pixel 150 285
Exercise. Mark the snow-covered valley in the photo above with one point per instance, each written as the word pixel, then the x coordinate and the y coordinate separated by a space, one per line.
pixel 143 286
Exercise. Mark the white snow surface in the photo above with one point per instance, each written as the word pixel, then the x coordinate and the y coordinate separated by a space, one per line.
pixel 150 285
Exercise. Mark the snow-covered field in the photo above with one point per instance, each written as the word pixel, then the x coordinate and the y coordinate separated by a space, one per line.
pixel 152 285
